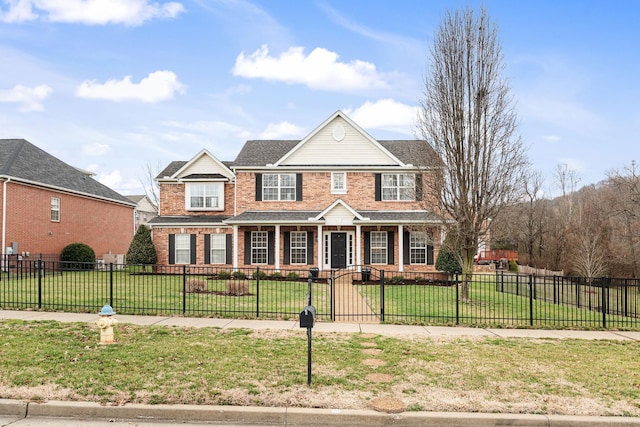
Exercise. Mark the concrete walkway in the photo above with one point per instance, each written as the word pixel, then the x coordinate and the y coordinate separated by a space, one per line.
pixel 13 411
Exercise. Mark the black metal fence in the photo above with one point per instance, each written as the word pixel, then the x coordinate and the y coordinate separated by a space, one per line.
pixel 360 294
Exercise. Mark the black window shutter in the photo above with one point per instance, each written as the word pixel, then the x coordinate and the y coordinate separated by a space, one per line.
pixel 247 247
pixel 192 249
pixel 172 248
pixel 418 188
pixel 390 246
pixel 271 246
pixel 207 248
pixel 229 249
pixel 258 187
pixel 298 187
pixel 310 247
pixel 429 255
pixel 378 187
pixel 287 247
pixel 406 252
pixel 367 247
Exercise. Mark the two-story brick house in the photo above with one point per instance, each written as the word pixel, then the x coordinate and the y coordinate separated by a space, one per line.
pixel 337 198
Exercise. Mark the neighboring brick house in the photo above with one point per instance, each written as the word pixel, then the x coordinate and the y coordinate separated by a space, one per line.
pixel 337 198
pixel 145 210
pixel 47 204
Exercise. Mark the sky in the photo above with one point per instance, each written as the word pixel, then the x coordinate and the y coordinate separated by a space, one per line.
pixel 121 87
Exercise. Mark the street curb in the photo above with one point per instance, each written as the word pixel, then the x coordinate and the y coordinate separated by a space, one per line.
pixel 290 417
pixel 17 408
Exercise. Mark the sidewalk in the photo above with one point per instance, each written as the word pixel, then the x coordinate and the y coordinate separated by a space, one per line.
pixel 13 411
pixel 354 328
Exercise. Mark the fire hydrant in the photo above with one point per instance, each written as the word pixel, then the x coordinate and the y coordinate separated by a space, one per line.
pixel 106 323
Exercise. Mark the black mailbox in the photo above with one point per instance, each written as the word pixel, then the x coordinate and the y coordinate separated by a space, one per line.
pixel 308 317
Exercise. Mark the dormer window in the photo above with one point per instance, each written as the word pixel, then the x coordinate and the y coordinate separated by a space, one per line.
pixel 204 196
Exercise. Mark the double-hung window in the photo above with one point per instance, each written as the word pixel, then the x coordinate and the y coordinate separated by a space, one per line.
pixel 218 248
pixel 398 186
pixel 259 247
pixel 298 247
pixel 338 182
pixel 279 186
pixel 378 247
pixel 183 248
pixel 418 247
pixel 55 209
pixel 205 196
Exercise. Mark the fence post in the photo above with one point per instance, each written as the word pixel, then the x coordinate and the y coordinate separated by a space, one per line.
pixel 257 292
pixel 39 283
pixel 531 300
pixel 382 295
pixel 184 289
pixel 604 302
pixel 332 291
pixel 457 300
pixel 111 284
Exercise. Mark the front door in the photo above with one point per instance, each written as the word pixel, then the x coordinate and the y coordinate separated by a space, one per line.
pixel 338 250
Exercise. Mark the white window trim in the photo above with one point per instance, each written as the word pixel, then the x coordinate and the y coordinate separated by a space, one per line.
pixel 255 248
pixel 279 187
pixel 304 247
pixel 335 190
pixel 384 248
pixel 412 247
pixel 221 239
pixel 220 196
pixel 55 209
pixel 179 247
pixel 398 188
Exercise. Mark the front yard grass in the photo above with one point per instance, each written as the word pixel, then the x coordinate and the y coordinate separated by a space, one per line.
pixel 62 361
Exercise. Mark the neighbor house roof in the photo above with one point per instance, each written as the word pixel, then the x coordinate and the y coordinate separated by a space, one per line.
pixel 23 161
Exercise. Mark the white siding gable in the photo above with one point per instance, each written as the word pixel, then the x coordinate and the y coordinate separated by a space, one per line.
pixel 339 142
pixel 204 163
pixel 339 215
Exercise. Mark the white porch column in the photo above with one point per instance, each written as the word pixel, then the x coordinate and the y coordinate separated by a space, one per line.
pixel 277 248
pixel 319 250
pixel 400 248
pixel 235 247
pixel 358 249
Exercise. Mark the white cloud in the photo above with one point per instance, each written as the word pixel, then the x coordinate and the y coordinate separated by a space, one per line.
pixel 157 86
pixel 320 69
pixel 95 149
pixel 112 179
pixel 551 138
pixel 281 130
pixel 90 12
pixel 29 98
pixel 385 114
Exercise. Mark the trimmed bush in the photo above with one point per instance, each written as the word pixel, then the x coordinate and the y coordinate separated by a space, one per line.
pixel 78 256
pixel 513 265
pixel 141 250
pixel 448 262
pixel 292 275
pixel 239 275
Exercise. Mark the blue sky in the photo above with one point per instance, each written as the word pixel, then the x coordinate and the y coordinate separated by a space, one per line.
pixel 114 86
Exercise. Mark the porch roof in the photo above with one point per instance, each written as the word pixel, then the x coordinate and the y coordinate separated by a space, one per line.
pixel 311 217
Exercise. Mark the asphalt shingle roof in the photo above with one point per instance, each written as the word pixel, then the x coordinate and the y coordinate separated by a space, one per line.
pixel 22 160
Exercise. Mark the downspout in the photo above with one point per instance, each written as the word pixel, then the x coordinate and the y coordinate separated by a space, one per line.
pixel 4 220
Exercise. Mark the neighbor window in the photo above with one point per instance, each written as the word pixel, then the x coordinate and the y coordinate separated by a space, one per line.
pixel 259 247
pixel 398 186
pixel 183 248
pixel 205 195
pixel 338 182
pixel 279 186
pixel 418 248
pixel 218 248
pixel 378 247
pixel 298 247
pixel 55 209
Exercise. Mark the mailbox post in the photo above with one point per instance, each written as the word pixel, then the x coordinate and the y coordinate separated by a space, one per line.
pixel 308 320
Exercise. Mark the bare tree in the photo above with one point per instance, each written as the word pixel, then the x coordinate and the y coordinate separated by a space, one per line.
pixel 150 185
pixel 468 115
